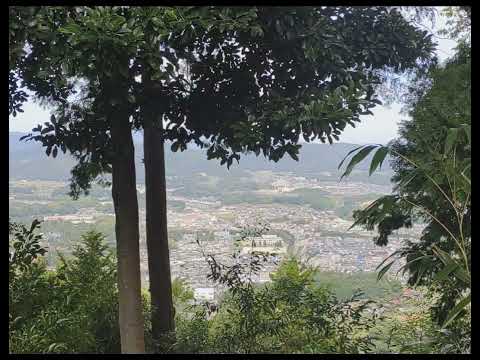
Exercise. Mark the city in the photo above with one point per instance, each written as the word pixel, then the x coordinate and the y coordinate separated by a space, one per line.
pixel 206 226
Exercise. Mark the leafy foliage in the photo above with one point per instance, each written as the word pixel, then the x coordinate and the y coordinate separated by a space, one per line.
pixel 432 165
pixel 270 70
pixel 74 309
pixel 71 309
pixel 290 315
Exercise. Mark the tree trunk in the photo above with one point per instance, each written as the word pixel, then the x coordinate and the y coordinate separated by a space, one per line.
pixel 157 234
pixel 124 193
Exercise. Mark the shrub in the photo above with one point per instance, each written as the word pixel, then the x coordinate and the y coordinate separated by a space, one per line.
pixel 70 309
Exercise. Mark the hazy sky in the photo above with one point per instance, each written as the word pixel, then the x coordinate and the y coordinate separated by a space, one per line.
pixel 378 128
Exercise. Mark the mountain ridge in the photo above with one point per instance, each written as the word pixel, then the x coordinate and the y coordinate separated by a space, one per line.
pixel 27 160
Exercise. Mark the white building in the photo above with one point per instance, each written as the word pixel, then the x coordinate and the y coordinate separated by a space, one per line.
pixel 280 185
pixel 204 294
pixel 267 240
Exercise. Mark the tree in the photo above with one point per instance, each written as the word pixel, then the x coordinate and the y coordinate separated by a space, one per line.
pixel 432 165
pixel 285 73
pixel 111 95
pixel 87 279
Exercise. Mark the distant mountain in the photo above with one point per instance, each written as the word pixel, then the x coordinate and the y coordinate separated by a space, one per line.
pixel 27 160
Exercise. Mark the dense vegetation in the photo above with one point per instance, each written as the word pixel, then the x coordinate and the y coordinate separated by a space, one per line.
pixel 286 74
pixel 73 307
pixel 70 309
pixel 432 170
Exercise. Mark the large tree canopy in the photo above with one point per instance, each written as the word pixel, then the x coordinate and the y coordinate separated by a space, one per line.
pixel 231 79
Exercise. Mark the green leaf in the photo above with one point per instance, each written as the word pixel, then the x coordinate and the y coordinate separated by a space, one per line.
pixel 293 153
pixel 385 260
pixel 461 274
pixel 65 67
pixel 351 151
pixel 459 271
pixel 443 274
pixel 362 154
pixel 378 159
pixel 384 270
pixel 442 255
pixel 256 30
pixel 35 223
pixel 456 310
pixel 404 267
pixel 52 347
pixel 70 29
pixel 404 182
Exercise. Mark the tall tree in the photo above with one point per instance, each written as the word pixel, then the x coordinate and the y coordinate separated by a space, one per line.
pixel 96 127
pixel 254 80
pixel 99 56
pixel 235 89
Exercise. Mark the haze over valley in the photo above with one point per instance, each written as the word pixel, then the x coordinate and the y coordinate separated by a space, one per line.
pixel 307 209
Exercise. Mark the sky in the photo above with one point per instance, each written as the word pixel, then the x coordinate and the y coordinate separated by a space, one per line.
pixel 381 127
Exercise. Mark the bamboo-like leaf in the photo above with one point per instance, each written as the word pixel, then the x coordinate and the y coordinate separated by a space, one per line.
pixel 456 310
pixel 385 260
pixel 404 182
pixel 420 272
pixel 366 212
pixel 384 270
pixel 412 261
pixel 443 274
pixel 459 271
pixel 25 136
pixel 378 159
pixel 466 178
pixel 461 274
pixel 362 154
pixel 442 255
pixel 346 156
pixel 35 223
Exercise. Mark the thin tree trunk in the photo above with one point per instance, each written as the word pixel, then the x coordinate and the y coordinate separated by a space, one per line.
pixel 124 193
pixel 157 234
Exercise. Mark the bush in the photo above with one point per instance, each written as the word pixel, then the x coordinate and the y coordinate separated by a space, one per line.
pixel 292 314
pixel 70 309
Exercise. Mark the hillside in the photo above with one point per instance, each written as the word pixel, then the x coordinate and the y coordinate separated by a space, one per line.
pixel 27 160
